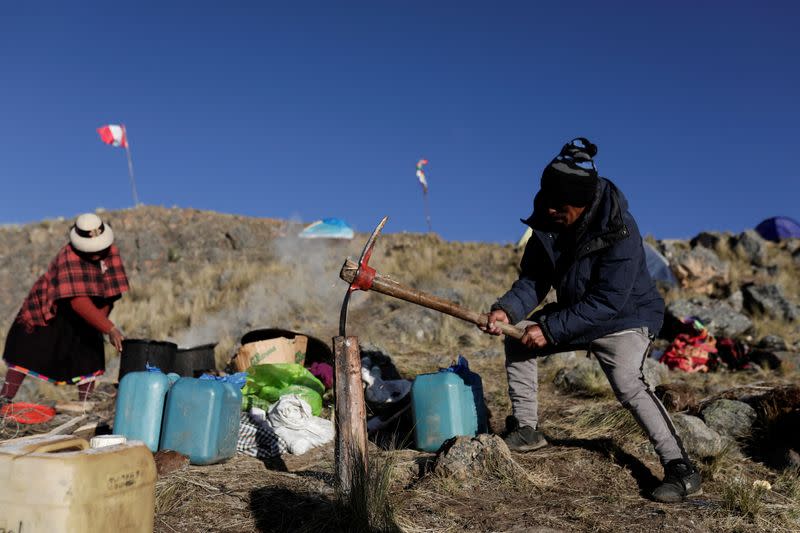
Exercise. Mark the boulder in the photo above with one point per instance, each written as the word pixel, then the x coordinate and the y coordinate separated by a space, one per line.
pixel 729 418
pixel 736 300
pixel 677 396
pixel 706 239
pixel 585 377
pixel 720 318
pixel 700 269
pixel 750 246
pixel 698 439
pixel 417 325
pixel 773 343
pixel 770 300
pixel 655 373
pixel 467 458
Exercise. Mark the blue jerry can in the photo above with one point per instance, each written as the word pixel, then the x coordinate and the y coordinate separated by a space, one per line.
pixel 443 407
pixel 201 420
pixel 140 407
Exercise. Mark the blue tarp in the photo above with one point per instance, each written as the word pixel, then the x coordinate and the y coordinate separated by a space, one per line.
pixel 658 266
pixel 328 228
pixel 777 228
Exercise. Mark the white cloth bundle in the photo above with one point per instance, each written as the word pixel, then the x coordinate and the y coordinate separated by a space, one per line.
pixel 291 419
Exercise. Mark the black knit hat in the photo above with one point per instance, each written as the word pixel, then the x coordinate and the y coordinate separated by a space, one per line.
pixel 571 177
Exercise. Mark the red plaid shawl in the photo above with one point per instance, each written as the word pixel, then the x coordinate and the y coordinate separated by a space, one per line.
pixel 69 275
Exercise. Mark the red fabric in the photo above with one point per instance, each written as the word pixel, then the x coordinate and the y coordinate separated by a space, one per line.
pixel 96 318
pixel 71 275
pixel 691 352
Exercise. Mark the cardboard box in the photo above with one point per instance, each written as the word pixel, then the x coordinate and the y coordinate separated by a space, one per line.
pixel 278 350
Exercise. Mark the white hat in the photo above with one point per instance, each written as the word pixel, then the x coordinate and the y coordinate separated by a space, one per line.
pixel 90 235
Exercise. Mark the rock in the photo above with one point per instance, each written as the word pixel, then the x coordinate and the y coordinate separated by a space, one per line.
pixel 730 418
pixel 417 325
pixel 720 318
pixel 707 239
pixel 468 458
pixel 701 270
pixel 241 237
pixel 789 360
pixel 672 248
pixel 654 372
pixel 770 300
pixel 772 342
pixel 699 440
pixel 39 236
pixel 749 245
pixel 736 300
pixel 766 359
pixel 791 460
pixel 488 353
pixel 561 359
pixel 677 396
pixel 168 461
pixel 586 377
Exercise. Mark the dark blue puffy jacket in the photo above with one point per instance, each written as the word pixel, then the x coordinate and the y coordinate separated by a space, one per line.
pixel 598 269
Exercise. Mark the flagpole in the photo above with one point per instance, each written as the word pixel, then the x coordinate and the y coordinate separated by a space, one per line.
pixel 130 167
pixel 427 211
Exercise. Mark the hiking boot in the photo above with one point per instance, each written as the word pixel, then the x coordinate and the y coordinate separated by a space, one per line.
pixel 681 479
pixel 525 439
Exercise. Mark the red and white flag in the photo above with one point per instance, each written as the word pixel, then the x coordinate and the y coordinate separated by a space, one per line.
pixel 113 134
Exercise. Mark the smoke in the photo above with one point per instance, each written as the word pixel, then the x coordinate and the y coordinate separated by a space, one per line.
pixel 298 289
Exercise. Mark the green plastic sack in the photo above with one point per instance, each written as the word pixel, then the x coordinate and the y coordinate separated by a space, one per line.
pixel 268 382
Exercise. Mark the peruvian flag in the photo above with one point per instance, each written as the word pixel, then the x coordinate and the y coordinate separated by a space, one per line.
pixel 113 134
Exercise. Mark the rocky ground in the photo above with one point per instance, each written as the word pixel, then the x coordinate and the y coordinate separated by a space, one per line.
pixel 200 276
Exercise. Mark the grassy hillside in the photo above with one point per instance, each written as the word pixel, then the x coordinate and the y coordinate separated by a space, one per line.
pixel 200 277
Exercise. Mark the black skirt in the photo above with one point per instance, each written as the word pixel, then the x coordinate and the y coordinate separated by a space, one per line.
pixel 64 349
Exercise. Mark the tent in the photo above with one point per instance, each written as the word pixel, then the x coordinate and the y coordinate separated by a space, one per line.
pixel 327 228
pixel 777 228
pixel 658 266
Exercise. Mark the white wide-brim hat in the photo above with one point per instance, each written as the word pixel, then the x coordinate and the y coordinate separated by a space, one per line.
pixel 90 235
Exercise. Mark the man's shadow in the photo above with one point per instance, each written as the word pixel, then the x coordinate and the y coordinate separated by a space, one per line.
pixel 609 449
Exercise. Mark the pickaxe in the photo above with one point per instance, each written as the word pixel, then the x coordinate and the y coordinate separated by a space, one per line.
pixel 362 277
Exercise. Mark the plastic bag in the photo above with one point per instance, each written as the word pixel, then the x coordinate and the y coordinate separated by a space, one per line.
pixel 267 383
pixel 238 379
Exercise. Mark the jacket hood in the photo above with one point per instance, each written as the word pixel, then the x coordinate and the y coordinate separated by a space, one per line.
pixel 601 224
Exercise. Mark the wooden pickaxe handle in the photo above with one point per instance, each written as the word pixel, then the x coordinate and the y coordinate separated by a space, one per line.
pixel 388 286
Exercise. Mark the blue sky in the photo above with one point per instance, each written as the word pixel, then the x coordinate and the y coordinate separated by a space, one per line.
pixel 308 110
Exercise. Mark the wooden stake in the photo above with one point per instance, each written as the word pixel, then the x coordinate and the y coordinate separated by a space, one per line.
pixel 351 419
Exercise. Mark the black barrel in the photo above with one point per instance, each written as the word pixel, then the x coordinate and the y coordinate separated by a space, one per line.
pixel 136 353
pixel 192 362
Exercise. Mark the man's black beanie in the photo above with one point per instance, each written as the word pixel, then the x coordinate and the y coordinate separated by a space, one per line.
pixel 571 177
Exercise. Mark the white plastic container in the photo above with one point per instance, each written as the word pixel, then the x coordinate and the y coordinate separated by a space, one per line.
pixel 58 484
pixel 101 441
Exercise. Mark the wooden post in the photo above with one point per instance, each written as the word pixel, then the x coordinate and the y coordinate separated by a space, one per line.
pixel 351 419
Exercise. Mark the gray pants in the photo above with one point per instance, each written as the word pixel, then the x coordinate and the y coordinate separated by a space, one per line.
pixel 621 356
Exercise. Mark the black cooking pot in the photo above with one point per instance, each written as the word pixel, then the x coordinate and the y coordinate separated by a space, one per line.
pixel 136 353
pixel 192 362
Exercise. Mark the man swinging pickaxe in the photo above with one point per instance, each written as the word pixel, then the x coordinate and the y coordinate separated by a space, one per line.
pixel 362 277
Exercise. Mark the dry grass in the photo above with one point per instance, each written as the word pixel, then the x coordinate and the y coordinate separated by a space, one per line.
pixel 594 476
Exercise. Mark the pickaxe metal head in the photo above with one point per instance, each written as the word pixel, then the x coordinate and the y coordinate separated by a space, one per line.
pixel 364 276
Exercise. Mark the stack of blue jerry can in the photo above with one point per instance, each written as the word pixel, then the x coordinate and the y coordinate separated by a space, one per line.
pixel 198 418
